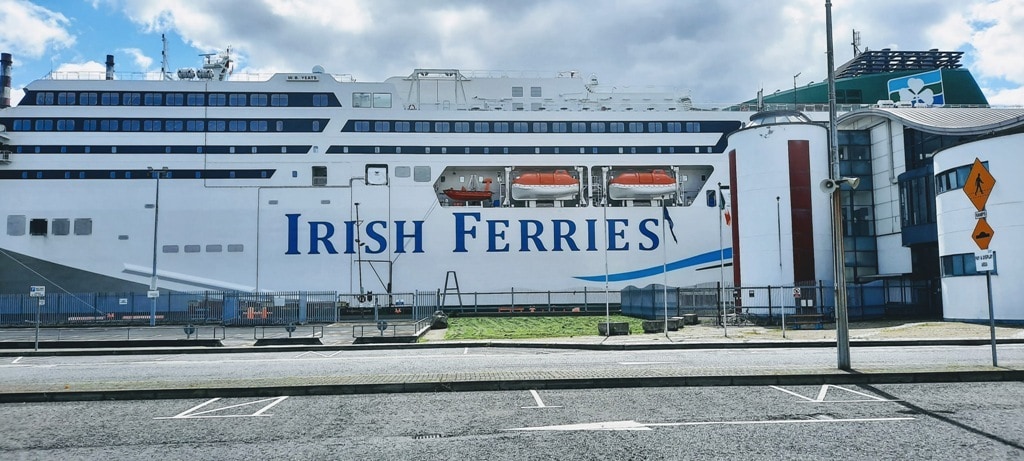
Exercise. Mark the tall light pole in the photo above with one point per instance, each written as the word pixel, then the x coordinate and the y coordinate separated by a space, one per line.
pixel 794 89
pixel 153 292
pixel 842 321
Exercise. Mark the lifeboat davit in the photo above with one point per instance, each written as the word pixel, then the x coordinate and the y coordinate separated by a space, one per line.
pixel 642 186
pixel 464 195
pixel 557 185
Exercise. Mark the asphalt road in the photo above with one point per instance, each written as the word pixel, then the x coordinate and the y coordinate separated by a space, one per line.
pixel 84 373
pixel 891 421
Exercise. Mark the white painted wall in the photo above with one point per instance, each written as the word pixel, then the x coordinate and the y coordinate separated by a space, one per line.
pixel 965 297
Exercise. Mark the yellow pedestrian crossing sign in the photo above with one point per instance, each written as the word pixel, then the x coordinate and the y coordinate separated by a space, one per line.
pixel 979 184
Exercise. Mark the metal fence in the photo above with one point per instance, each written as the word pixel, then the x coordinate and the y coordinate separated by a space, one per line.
pixel 766 304
pixel 209 307
pixel 880 299
pixel 529 301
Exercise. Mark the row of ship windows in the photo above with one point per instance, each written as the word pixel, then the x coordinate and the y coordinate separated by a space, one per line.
pixel 138 174
pixel 40 226
pixel 83 226
pixel 72 98
pixel 520 150
pixel 167 125
pixel 277 149
pixel 384 126
pixel 211 248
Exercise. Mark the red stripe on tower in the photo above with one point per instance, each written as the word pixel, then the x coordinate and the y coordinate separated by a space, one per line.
pixel 800 210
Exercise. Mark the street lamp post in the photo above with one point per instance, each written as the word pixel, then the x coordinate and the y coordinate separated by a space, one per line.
pixel 794 89
pixel 153 292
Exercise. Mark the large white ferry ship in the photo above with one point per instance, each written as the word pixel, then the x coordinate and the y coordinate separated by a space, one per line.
pixel 314 181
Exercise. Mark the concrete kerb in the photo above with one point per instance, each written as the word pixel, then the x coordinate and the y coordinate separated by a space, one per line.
pixel 524 384
pixel 43 352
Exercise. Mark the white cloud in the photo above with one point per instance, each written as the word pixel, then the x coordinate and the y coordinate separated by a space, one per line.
pixel 723 51
pixel 142 62
pixel 91 69
pixel 1005 97
pixel 30 30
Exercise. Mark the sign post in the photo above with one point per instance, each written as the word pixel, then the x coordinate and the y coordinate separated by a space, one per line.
pixel 978 188
pixel 38 292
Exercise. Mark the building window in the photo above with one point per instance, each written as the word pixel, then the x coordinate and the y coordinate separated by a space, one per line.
pixel 16 225
pixel 517 92
pixel 362 99
pixel 170 248
pixel 535 92
pixel 37 226
pixel 214 248
pixel 236 100
pixel 421 174
pixel 236 248
pixel 319 175
pixel 319 100
pixel 958 265
pixel 382 100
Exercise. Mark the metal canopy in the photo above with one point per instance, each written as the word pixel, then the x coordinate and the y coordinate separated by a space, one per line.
pixel 886 60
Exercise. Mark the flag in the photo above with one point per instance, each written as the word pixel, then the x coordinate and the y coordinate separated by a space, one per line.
pixel 666 219
pixel 723 206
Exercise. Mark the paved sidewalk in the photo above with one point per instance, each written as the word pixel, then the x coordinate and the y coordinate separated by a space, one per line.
pixel 342 335
pixel 338 337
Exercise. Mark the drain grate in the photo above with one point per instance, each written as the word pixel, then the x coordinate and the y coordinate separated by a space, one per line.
pixel 427 436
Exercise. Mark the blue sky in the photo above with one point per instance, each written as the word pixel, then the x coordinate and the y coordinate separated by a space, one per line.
pixel 721 51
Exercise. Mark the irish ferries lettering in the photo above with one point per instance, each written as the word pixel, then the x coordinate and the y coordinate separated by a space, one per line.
pixel 472 233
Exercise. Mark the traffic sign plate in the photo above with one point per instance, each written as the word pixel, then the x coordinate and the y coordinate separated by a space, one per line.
pixel 985 261
pixel 979 184
pixel 982 234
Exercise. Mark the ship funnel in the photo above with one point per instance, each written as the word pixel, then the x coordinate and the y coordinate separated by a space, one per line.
pixel 110 67
pixel 5 79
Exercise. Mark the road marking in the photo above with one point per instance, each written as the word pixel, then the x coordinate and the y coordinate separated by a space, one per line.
pixel 822 393
pixel 635 426
pixel 318 353
pixel 644 363
pixel 194 413
pixel 465 351
pixel 17 360
pixel 540 403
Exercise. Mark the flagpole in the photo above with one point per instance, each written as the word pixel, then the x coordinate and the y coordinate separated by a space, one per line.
pixel 607 305
pixel 664 265
pixel 721 261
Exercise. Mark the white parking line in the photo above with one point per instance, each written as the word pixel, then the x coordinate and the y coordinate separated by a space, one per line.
pixel 192 412
pixel 823 392
pixel 540 403
pixel 635 426
pixel 17 360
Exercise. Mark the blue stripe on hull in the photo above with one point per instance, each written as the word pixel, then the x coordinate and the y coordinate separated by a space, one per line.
pixel 708 257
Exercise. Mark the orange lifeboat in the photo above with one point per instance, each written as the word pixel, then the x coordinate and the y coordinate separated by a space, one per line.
pixel 642 185
pixel 556 185
pixel 464 195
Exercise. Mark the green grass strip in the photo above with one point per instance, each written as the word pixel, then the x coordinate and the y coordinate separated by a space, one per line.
pixel 531 327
